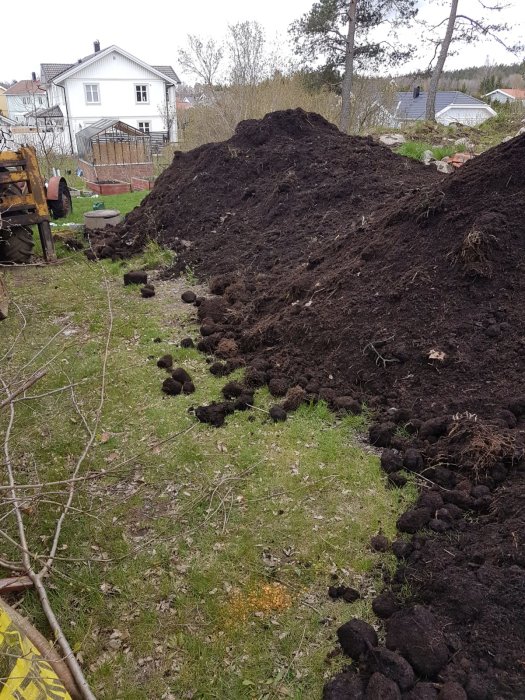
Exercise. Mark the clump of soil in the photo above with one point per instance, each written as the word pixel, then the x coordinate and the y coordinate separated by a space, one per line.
pixel 181 375
pixel 135 277
pixel 165 362
pixel 147 291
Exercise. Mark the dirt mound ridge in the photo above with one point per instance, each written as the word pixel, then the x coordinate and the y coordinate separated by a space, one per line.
pixel 267 197
pixel 424 305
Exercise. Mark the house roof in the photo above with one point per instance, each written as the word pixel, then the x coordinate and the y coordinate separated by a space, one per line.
pixel 410 107
pixel 50 112
pixel 6 121
pixel 512 92
pixel 168 70
pixel 25 87
pixel 50 71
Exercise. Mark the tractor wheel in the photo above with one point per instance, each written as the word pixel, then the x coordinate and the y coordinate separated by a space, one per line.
pixel 16 246
pixel 62 206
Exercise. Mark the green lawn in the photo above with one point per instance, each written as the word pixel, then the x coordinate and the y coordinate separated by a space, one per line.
pixel 123 202
pixel 197 560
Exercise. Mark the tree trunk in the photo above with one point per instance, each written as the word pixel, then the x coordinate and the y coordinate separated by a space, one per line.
pixel 349 67
pixel 436 75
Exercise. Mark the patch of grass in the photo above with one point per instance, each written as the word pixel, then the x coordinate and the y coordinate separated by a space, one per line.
pixel 199 564
pixel 416 150
pixel 123 202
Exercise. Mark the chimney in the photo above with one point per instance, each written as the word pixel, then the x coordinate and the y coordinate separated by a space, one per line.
pixel 33 77
pixel 416 91
pixel 96 46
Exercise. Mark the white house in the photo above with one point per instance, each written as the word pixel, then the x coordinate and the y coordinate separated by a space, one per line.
pixel 506 95
pixel 451 106
pixel 111 83
pixel 25 97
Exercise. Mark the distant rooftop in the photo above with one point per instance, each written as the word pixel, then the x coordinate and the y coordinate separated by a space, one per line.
pixel 25 87
pixel 50 71
pixel 410 107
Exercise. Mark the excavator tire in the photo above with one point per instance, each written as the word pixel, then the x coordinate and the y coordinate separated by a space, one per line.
pixel 17 245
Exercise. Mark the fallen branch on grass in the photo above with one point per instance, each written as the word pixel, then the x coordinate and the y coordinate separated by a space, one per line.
pixel 32 380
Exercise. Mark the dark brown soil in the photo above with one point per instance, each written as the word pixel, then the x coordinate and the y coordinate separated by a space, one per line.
pixel 364 278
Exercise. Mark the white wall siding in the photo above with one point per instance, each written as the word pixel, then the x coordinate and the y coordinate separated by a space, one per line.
pixel 469 117
pixel 116 76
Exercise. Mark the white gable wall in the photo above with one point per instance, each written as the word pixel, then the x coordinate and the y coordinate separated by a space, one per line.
pixel 116 77
pixel 469 116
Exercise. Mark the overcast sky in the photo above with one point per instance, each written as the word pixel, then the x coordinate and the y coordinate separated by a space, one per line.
pixel 154 31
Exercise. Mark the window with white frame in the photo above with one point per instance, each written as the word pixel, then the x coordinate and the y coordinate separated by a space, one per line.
pixel 141 93
pixel 144 127
pixel 92 93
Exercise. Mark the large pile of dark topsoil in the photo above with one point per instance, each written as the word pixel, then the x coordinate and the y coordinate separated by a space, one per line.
pixel 267 197
pixel 345 272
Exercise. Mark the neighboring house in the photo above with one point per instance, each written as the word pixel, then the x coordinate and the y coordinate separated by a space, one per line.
pixel 506 95
pixel 3 101
pixel 112 84
pixel 451 106
pixel 26 96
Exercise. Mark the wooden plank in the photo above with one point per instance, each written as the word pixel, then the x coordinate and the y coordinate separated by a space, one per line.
pixel 4 299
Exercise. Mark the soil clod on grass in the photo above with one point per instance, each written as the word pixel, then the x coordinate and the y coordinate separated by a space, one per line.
pixel 165 362
pixel 180 375
pixel 189 297
pixel 135 277
pixel 147 291
pixel 171 386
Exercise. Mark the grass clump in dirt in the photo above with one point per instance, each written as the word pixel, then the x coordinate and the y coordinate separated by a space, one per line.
pixel 199 563
pixel 416 150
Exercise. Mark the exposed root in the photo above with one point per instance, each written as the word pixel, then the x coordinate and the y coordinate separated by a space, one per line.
pixel 473 254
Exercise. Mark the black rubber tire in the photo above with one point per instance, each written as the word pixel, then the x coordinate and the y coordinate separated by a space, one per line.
pixel 62 206
pixel 16 246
